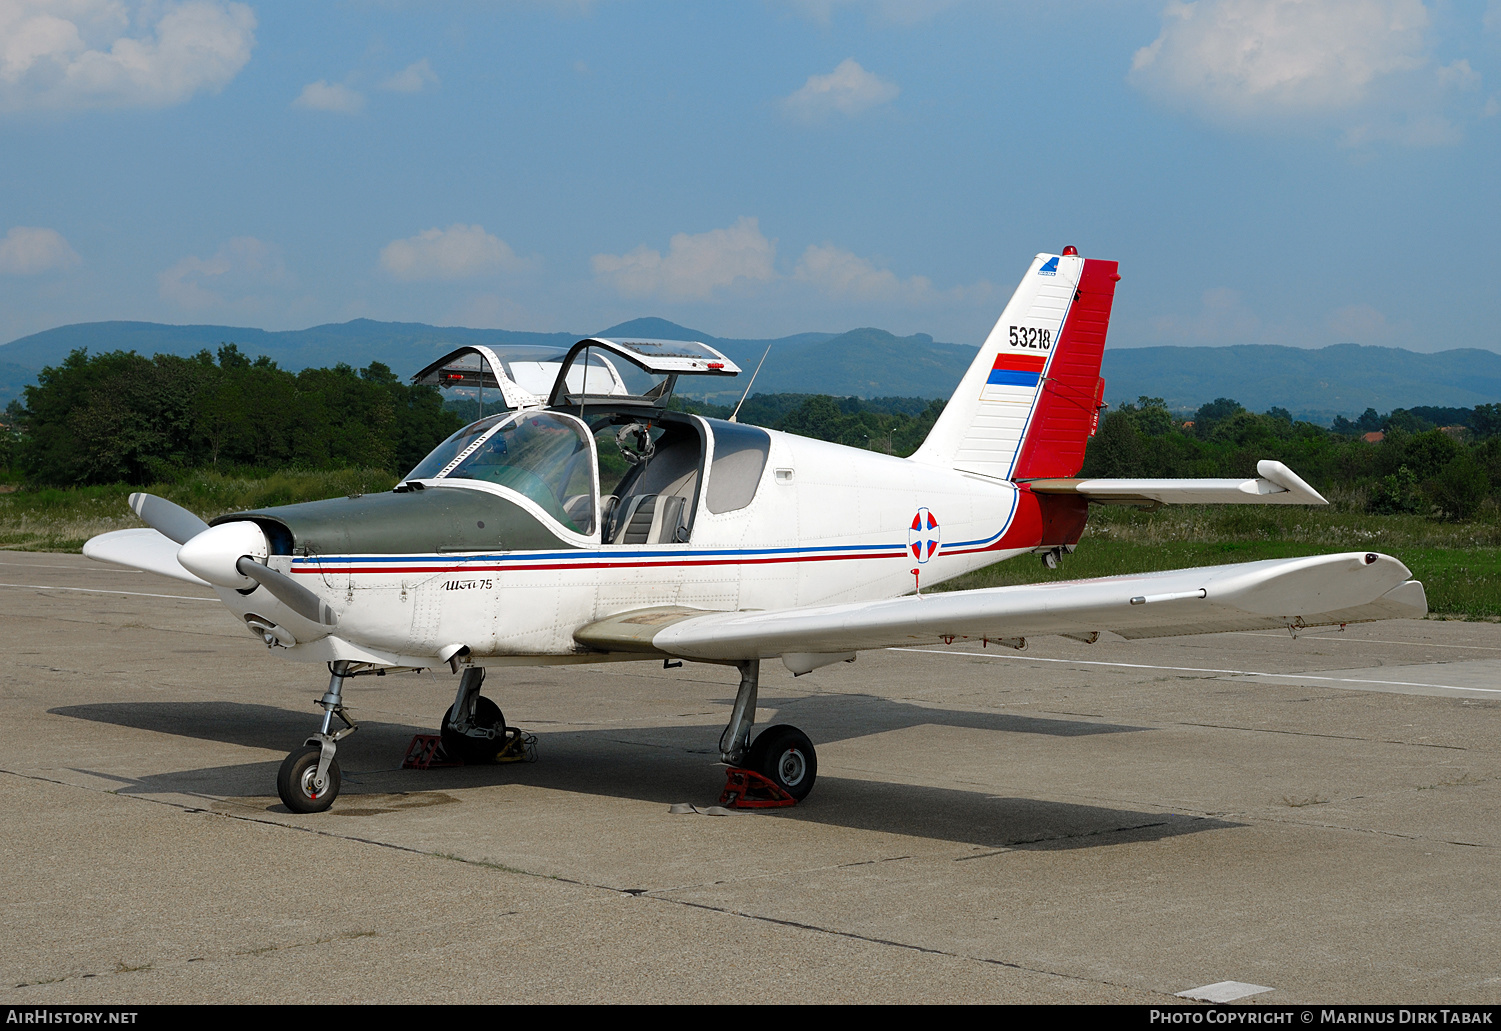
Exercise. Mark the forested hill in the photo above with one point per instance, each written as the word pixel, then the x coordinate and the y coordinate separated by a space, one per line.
pixel 1313 383
pixel 860 363
pixel 1316 384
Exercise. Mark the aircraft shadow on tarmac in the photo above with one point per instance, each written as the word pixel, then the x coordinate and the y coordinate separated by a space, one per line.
pixel 667 765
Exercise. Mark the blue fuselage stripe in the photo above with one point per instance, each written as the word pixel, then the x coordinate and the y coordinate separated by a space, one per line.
pixel 623 555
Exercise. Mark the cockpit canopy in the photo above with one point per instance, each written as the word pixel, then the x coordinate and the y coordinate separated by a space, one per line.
pixel 634 371
pixel 542 455
pixel 544 449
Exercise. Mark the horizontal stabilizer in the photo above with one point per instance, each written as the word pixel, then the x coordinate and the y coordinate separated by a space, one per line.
pixel 1276 484
pixel 141 548
pixel 1320 590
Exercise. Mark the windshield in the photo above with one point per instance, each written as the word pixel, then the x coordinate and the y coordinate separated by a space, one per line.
pixel 541 455
pixel 447 451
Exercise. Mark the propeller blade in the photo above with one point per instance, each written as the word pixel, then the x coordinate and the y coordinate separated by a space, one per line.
pixel 289 592
pixel 169 520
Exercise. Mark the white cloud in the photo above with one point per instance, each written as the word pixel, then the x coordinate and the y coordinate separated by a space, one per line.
pixel 414 78
pixel 1222 319
pixel 841 273
pixel 1251 56
pixel 325 96
pixel 458 252
pixel 845 276
pixel 1360 71
pixel 78 54
pixel 28 250
pixel 694 266
pixel 849 89
pixel 237 275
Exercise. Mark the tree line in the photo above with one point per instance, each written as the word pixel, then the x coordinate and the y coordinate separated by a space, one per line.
pixel 121 417
pixel 1449 471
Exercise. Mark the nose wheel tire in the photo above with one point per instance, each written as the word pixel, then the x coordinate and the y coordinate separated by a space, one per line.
pixel 294 781
pixel 784 755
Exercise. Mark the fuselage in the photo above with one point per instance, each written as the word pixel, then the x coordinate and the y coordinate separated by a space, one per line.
pixel 409 574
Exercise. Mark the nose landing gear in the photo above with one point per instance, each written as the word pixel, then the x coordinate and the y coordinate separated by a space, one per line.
pixel 309 778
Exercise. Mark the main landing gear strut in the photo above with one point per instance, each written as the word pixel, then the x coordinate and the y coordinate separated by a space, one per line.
pixel 782 753
pixel 474 728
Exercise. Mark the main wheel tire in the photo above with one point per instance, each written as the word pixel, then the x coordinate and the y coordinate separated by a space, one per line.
pixel 471 750
pixel 294 781
pixel 784 755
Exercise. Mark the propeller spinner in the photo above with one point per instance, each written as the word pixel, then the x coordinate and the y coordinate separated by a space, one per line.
pixel 229 555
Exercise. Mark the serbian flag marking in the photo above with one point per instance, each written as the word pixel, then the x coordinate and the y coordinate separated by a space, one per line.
pixel 1017 370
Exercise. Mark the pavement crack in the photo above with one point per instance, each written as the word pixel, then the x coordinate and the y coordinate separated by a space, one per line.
pixel 1252 818
pixel 139 968
pixel 1310 733
pixel 266 950
pixel 907 946
pixel 874 862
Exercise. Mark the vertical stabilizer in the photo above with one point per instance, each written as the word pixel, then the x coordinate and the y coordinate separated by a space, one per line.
pixel 1030 401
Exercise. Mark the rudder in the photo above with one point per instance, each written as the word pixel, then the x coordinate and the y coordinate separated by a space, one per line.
pixel 1030 401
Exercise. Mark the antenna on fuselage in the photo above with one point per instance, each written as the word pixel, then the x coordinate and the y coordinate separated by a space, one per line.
pixel 750 384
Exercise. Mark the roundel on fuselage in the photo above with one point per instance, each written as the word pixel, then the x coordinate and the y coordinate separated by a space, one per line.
pixel 923 537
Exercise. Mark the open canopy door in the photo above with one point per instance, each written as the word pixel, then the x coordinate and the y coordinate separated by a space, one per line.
pixel 477 367
pixel 647 376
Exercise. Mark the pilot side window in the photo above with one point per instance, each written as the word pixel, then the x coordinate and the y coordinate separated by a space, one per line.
pixel 740 454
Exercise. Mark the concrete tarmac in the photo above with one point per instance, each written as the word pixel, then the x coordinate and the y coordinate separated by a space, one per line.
pixel 1117 822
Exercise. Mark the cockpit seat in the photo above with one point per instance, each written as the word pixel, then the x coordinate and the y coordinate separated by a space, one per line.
pixel 580 508
pixel 649 519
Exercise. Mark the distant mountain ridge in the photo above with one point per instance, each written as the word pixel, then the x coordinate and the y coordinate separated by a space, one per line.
pixel 1315 383
pixel 1343 379
pixel 863 362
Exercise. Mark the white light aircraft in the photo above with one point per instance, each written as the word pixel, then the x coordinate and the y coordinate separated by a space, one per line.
pixel 727 543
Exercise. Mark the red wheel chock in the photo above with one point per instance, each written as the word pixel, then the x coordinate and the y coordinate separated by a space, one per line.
pixel 747 789
pixel 426 753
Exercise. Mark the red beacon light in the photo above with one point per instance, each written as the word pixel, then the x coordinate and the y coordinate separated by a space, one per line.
pixel 1070 252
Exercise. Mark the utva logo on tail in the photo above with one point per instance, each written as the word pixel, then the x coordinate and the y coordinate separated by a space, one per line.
pixel 710 549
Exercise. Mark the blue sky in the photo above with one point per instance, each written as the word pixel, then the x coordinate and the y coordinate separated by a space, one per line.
pixel 1266 171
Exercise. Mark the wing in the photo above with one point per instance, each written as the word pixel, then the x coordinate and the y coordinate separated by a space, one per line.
pixel 1275 484
pixel 1317 591
pixel 142 549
